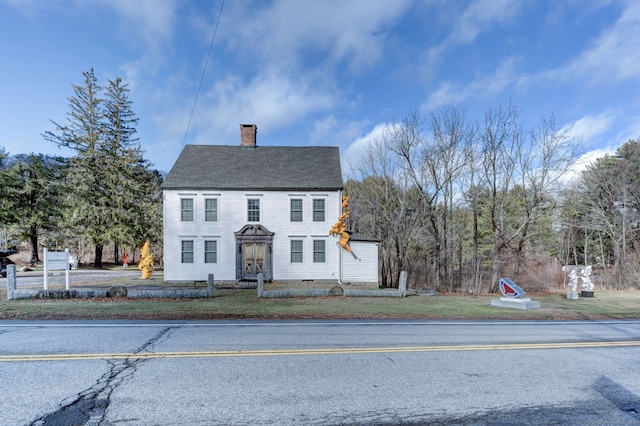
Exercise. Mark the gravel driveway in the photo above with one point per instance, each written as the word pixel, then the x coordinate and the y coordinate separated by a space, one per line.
pixel 77 276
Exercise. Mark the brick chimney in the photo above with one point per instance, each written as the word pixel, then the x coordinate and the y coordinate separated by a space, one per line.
pixel 248 134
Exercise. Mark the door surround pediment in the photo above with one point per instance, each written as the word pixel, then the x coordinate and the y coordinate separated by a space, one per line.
pixel 254 233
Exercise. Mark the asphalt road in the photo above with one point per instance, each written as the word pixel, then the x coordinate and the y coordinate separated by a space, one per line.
pixel 319 373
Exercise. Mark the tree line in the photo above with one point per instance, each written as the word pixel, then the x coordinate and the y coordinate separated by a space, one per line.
pixel 460 204
pixel 106 193
pixel 455 202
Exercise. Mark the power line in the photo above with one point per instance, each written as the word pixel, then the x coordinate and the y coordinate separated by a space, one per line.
pixel 204 69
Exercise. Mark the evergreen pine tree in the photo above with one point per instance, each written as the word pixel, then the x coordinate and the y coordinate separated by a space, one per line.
pixel 135 194
pixel 110 189
pixel 34 191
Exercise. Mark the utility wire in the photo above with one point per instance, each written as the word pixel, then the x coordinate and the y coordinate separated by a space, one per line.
pixel 206 62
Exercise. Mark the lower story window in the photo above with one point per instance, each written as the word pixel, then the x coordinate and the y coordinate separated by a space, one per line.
pixel 319 251
pixel 210 252
pixel 187 252
pixel 296 251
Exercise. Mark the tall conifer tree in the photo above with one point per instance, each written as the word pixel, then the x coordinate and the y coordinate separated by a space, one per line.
pixel 34 190
pixel 108 176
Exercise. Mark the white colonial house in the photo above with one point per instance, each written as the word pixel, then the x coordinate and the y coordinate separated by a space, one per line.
pixel 237 211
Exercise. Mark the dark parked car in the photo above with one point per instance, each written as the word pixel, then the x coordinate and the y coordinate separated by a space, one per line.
pixel 4 261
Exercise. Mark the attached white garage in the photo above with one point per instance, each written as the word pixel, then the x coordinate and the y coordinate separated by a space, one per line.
pixel 361 265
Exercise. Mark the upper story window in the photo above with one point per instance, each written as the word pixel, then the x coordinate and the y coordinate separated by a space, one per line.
pixel 186 209
pixel 318 210
pixel 296 210
pixel 210 209
pixel 253 210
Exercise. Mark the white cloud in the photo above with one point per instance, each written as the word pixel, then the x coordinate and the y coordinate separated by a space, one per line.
pixel 480 16
pixel 591 127
pixel 288 52
pixel 132 72
pixel 330 130
pixel 271 100
pixel 291 30
pixel 614 55
pixel 631 130
pixel 583 162
pixel 150 20
pixel 353 156
pixel 589 157
pixel 446 93
pixel 483 86
pixel 600 130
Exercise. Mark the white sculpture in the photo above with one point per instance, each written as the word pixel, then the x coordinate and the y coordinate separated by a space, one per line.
pixel 573 280
pixel 585 275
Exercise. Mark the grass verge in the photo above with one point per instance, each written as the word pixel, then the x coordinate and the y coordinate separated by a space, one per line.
pixel 244 304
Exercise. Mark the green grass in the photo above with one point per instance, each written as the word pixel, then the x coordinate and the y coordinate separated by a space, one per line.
pixel 244 304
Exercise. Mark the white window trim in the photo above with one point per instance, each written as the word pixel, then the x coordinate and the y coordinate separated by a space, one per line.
pixel 249 220
pixel 193 208
pixel 182 252
pixel 301 250
pixel 313 211
pixel 211 197
pixel 217 252
pixel 301 210
pixel 314 251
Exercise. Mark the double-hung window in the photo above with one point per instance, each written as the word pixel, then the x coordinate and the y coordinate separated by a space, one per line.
pixel 186 209
pixel 318 210
pixel 253 210
pixel 296 210
pixel 296 251
pixel 210 209
pixel 210 251
pixel 319 251
pixel 187 251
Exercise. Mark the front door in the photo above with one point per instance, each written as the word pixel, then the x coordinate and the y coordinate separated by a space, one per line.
pixel 253 254
pixel 254 247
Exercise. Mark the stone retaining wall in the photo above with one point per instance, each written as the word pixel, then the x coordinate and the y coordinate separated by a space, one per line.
pixel 14 293
pixel 335 291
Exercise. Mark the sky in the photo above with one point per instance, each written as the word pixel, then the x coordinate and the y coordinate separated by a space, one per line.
pixel 327 73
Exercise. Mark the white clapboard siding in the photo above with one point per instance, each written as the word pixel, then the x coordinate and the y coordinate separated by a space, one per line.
pixel 232 216
pixel 361 265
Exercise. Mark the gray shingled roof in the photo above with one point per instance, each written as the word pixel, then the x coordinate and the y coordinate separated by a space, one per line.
pixel 262 167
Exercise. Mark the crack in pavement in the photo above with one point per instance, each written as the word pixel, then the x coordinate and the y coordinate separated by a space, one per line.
pixel 14 330
pixel 89 407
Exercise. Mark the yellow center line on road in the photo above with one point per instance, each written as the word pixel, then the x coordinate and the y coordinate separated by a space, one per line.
pixel 328 351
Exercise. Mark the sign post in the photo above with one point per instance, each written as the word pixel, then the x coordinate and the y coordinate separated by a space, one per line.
pixel 56 261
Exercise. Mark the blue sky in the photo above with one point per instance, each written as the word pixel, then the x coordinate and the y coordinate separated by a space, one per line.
pixel 331 72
